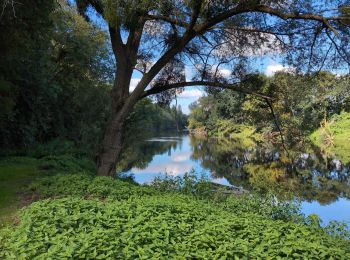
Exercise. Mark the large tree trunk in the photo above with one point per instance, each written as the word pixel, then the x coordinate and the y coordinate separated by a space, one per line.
pixel 111 145
pixel 121 106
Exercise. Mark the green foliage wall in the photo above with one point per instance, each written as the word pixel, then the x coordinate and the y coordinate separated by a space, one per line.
pixel 54 75
pixel 300 103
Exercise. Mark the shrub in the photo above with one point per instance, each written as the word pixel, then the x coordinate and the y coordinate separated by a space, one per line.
pixel 66 163
pixel 190 183
pixel 167 226
pixel 86 185
pixel 266 205
pixel 56 147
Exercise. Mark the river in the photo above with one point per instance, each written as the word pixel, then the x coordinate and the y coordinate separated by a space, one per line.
pixel 320 182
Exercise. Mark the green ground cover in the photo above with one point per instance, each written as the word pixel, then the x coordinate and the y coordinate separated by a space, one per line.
pixel 82 216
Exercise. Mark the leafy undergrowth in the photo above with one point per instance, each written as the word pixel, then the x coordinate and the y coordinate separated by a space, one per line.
pixel 16 173
pixel 99 218
pixel 87 186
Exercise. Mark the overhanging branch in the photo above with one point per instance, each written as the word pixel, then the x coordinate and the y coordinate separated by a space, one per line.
pixel 234 87
pixel 167 19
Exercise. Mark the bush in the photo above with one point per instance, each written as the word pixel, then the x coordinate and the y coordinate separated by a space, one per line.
pixel 267 206
pixel 189 184
pixel 66 163
pixel 85 185
pixel 167 226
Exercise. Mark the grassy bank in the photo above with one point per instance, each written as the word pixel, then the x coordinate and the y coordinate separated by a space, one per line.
pixel 15 174
pixel 78 215
pixel 18 172
pixel 334 136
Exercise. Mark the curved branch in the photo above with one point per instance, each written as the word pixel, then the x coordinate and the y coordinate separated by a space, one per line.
pixel 241 9
pixel 167 19
pixel 234 87
pixel 299 16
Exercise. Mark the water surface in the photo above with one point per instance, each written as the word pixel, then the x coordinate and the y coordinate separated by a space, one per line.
pixel 319 180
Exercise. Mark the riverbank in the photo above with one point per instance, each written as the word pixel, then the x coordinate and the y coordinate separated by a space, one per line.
pixel 18 172
pixel 15 174
pixel 80 215
pixel 334 136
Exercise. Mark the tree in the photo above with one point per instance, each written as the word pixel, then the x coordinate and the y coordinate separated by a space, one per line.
pixel 164 35
pixel 55 75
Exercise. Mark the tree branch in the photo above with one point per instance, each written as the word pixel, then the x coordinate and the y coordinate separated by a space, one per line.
pixel 97 5
pixel 167 19
pixel 234 87
pixel 195 14
pixel 116 39
pixel 241 9
pixel 299 16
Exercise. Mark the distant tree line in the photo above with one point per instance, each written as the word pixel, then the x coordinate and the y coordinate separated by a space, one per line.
pixel 300 103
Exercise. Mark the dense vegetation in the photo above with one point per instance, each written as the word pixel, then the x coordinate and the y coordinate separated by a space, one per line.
pixel 55 74
pixel 99 217
pixel 333 136
pixel 64 80
pixel 301 103
pixel 55 79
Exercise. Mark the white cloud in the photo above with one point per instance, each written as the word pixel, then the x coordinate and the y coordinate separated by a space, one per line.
pixel 191 93
pixel 181 157
pixel 133 84
pixel 171 168
pixel 273 68
pixel 225 72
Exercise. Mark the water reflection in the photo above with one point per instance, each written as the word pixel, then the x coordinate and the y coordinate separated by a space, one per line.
pixel 305 172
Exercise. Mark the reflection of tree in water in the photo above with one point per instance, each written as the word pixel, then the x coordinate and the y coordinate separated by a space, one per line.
pixel 306 173
pixel 140 151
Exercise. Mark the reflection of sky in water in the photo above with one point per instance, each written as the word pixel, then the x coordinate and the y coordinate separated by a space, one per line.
pixel 338 210
pixel 177 161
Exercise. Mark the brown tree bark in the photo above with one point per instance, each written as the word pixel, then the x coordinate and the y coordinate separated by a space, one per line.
pixel 121 106
pixel 111 146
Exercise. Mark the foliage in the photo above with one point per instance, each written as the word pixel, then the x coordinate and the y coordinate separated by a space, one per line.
pixel 189 184
pixel 301 102
pixel 265 205
pixel 66 163
pixel 55 73
pixel 333 136
pixel 149 117
pixel 56 147
pixel 89 216
pixel 82 184
pixel 166 226
pixel 17 173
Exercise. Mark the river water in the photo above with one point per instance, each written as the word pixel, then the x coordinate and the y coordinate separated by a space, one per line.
pixel 319 181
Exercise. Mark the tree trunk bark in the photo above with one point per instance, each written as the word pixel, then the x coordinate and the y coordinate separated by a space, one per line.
pixel 111 146
pixel 121 106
